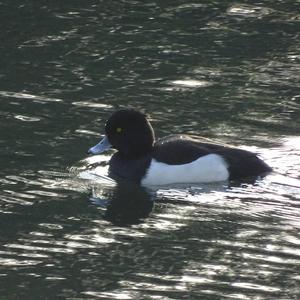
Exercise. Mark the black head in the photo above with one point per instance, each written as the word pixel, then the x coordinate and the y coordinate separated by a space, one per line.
pixel 130 133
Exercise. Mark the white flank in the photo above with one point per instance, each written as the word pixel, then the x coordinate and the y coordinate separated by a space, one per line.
pixel 208 168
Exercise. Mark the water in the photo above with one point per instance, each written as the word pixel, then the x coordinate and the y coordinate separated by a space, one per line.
pixel 220 69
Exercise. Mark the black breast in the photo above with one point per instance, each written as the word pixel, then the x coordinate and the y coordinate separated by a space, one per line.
pixel 132 169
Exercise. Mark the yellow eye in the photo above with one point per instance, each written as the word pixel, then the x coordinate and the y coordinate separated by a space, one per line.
pixel 119 129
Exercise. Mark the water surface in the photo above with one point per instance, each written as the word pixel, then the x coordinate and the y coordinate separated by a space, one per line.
pixel 225 70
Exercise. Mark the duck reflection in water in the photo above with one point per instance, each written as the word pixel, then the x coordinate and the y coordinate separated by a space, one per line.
pixel 143 161
pixel 128 204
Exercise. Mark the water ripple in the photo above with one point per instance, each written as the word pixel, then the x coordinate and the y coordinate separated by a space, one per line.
pixel 26 96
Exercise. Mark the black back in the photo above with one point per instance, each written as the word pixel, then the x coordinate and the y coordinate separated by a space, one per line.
pixel 175 150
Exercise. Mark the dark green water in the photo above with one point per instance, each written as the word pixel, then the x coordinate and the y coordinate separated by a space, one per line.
pixel 225 70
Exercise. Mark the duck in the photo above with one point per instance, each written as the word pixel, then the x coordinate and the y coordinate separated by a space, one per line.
pixel 174 159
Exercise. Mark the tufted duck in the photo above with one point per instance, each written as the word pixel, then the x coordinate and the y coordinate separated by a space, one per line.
pixel 172 159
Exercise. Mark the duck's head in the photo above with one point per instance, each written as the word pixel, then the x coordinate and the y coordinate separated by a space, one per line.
pixel 127 131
